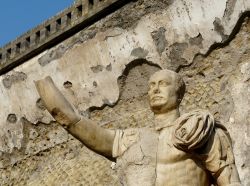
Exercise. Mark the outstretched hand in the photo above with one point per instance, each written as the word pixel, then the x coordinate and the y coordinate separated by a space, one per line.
pixel 56 103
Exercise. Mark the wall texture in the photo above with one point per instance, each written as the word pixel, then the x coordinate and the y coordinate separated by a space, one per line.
pixel 103 70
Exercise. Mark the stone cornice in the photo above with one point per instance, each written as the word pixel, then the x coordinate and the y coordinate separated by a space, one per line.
pixel 54 30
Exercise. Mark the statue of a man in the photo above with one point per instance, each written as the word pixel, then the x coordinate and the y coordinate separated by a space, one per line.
pixel 187 150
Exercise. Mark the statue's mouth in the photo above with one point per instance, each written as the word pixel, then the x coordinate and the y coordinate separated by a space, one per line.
pixel 155 98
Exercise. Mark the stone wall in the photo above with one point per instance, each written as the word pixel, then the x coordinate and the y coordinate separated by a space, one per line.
pixel 103 70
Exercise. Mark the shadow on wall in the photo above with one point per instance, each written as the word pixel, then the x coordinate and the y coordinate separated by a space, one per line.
pixel 133 82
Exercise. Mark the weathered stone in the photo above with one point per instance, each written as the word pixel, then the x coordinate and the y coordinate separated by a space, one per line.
pixel 159 39
pixel 97 68
pixel 176 55
pixel 12 118
pixel 52 55
pixel 109 67
pixel 40 104
pixel 67 84
pixel 15 77
pixel 219 28
pixel 139 52
pixel 196 40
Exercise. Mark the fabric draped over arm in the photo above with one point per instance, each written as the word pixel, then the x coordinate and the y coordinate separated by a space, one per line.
pixel 193 130
pixel 197 133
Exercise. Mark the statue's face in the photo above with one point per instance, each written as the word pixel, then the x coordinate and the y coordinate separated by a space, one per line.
pixel 162 91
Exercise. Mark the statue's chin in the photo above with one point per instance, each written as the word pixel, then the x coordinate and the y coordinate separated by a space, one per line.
pixel 156 108
pixel 160 108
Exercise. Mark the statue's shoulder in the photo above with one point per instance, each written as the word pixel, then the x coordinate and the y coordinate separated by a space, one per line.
pixel 193 129
pixel 208 140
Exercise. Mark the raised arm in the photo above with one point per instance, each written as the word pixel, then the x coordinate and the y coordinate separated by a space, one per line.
pixel 88 132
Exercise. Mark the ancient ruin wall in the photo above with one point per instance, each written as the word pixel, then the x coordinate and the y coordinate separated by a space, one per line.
pixel 103 70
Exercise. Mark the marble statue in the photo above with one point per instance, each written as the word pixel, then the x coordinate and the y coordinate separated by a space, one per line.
pixel 187 150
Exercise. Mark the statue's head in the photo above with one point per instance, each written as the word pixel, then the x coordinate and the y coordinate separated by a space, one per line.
pixel 166 90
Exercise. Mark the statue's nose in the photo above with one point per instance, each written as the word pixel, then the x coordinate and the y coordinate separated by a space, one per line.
pixel 156 89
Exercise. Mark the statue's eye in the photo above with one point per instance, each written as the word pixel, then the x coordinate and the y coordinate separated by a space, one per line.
pixel 163 83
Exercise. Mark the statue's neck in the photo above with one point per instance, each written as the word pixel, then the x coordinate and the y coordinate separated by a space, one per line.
pixel 166 119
